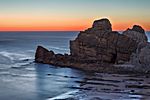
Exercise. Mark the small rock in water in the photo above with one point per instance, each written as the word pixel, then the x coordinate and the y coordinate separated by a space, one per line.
pixel 25 60
pixel 147 76
pixel 96 98
pixel 132 91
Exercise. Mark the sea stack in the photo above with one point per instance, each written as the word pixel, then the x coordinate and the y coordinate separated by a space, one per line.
pixel 100 44
pixel 100 49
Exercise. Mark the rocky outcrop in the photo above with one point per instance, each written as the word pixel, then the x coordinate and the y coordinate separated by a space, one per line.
pixel 102 25
pixel 43 55
pixel 141 59
pixel 49 57
pixel 144 56
pixel 136 33
pixel 98 48
pixel 101 44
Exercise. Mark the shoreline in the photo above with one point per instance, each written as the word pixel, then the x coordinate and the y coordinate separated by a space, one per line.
pixel 110 69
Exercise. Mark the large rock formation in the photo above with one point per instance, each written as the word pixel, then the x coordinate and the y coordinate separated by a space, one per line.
pixel 98 47
pixel 101 44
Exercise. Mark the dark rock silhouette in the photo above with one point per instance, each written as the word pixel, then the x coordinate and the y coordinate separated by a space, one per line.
pixel 102 25
pixel 98 48
pixel 136 33
pixel 43 55
pixel 101 44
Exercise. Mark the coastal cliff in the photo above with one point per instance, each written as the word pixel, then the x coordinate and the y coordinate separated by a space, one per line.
pixel 101 49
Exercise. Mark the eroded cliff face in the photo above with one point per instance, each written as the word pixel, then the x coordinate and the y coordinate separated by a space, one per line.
pixel 98 46
pixel 141 58
pixel 137 33
pixel 101 44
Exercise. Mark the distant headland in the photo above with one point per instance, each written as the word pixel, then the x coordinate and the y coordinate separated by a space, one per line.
pixel 100 49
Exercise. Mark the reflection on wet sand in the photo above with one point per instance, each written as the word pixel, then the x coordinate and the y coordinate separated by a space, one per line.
pixel 90 86
pixel 46 82
pixel 114 87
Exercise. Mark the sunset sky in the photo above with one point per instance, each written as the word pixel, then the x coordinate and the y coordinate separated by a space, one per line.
pixel 68 15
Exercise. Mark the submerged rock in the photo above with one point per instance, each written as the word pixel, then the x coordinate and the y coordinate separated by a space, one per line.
pixel 98 48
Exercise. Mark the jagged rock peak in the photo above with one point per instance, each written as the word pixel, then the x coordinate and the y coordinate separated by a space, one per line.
pixel 102 25
pixel 136 33
pixel 138 28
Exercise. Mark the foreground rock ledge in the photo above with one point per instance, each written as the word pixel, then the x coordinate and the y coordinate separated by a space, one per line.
pixel 100 49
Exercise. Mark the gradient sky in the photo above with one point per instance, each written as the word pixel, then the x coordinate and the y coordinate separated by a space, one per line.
pixel 38 15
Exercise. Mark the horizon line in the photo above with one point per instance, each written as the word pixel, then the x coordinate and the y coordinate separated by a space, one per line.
pixel 51 30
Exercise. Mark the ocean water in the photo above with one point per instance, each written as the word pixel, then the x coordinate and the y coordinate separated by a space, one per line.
pixel 22 79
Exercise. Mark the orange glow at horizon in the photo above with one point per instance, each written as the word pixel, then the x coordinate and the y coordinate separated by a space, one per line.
pixel 124 26
pixel 65 28
pixel 44 24
pixel 65 25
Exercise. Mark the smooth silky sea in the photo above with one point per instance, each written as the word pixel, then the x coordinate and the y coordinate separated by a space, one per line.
pixel 22 79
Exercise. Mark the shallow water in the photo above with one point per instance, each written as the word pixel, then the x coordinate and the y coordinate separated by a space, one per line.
pixel 22 79
pixel 36 83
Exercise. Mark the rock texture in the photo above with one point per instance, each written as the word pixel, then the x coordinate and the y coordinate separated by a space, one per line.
pixel 102 25
pixel 43 55
pixel 141 59
pixel 136 33
pixel 101 44
pixel 98 48
pixel 144 55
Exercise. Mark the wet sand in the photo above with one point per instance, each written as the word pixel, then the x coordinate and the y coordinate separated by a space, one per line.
pixel 100 86
pixel 115 87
